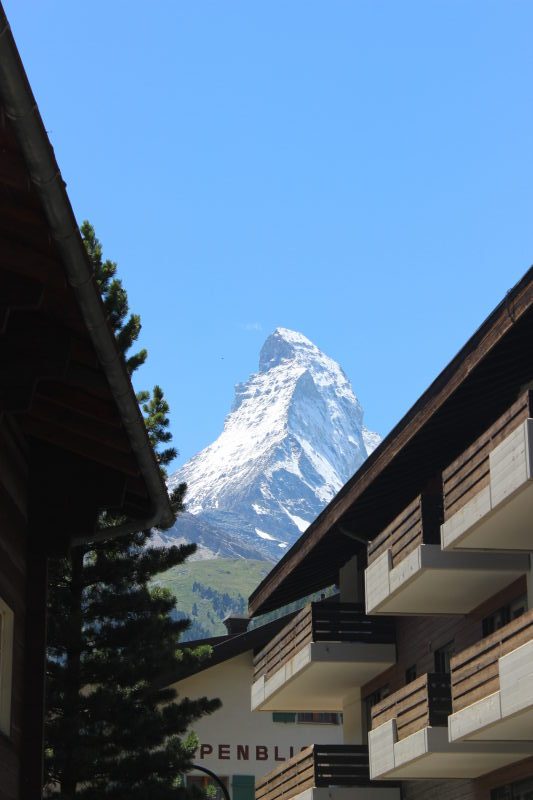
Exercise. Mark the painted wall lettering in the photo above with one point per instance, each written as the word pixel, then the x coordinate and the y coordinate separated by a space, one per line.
pixel 205 750
pixel 223 752
pixel 246 752
pixel 243 752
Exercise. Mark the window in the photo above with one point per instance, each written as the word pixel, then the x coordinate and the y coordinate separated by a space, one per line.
pixel 523 790
pixel 318 718
pixel 442 657
pixel 410 673
pixel 307 717
pixel 283 716
pixel 6 666
pixel 504 615
pixel 243 787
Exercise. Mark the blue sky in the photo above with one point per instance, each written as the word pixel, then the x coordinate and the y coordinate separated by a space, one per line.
pixel 358 171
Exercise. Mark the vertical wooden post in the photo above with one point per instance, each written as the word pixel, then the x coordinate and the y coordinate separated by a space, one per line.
pixel 34 673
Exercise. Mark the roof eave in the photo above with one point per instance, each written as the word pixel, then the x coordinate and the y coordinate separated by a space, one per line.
pixel 516 302
pixel 23 113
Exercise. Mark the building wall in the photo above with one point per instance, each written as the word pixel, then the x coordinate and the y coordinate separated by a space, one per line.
pixel 417 638
pixel 13 526
pixel 438 790
pixel 511 774
pixel 235 741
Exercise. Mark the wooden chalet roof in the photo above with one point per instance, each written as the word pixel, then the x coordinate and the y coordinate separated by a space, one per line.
pixel 483 379
pixel 62 378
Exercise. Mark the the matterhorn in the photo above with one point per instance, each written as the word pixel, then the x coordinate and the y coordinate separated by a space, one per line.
pixel 294 436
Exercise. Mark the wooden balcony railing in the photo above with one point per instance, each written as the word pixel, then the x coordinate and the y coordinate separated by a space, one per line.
pixel 418 523
pixel 318 765
pixel 322 622
pixel 475 670
pixel 423 702
pixel 470 472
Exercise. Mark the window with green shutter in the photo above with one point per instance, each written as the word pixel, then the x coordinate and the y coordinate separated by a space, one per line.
pixel 243 787
pixel 283 716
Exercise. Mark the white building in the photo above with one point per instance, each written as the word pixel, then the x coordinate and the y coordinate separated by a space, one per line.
pixel 236 744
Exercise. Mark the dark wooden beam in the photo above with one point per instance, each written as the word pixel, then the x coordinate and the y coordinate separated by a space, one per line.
pixel 25 219
pixel 106 486
pixel 137 487
pixel 18 291
pixel 67 418
pixel 22 259
pixel 86 404
pixel 84 446
pixel 31 757
pixel 66 495
pixel 30 348
pixel 33 348
pixel 13 172
pixel 93 380
pixel 135 506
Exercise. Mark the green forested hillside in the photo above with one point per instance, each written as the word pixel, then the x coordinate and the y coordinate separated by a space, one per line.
pixel 207 591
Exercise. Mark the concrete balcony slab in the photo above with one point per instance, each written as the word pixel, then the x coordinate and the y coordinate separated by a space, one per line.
pixel 321 675
pixel 430 581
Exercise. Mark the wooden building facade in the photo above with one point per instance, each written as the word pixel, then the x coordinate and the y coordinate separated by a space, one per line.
pixel 72 439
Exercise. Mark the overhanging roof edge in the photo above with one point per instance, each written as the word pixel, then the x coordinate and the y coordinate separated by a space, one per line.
pixel 517 300
pixel 21 109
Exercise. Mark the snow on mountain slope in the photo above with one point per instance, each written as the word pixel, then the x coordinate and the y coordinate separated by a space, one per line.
pixel 293 437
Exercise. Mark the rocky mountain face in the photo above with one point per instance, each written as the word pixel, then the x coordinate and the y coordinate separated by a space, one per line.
pixel 293 437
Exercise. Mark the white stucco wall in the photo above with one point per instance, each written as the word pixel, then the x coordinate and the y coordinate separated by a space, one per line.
pixel 236 741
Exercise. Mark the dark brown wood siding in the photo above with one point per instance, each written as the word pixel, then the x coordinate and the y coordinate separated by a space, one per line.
pixel 500 777
pixel 479 789
pixel 417 638
pixel 13 529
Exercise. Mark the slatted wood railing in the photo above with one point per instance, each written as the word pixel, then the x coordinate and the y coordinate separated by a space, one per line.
pixel 417 524
pixel 470 472
pixel 423 702
pixel 322 622
pixel 285 644
pixel 475 670
pixel 318 765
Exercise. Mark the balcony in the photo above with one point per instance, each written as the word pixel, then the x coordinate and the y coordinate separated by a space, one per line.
pixel 408 573
pixel 325 654
pixel 325 772
pixel 488 490
pixel 409 737
pixel 492 687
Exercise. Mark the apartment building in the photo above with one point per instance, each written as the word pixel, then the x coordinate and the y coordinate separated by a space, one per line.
pixel 428 653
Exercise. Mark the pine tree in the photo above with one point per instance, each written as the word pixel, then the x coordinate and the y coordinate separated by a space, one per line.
pixel 108 734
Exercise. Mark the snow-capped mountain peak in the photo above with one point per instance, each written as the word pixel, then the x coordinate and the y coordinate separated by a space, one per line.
pixel 285 345
pixel 293 437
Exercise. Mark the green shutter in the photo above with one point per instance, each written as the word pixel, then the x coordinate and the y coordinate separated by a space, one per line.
pixel 243 787
pixel 283 716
